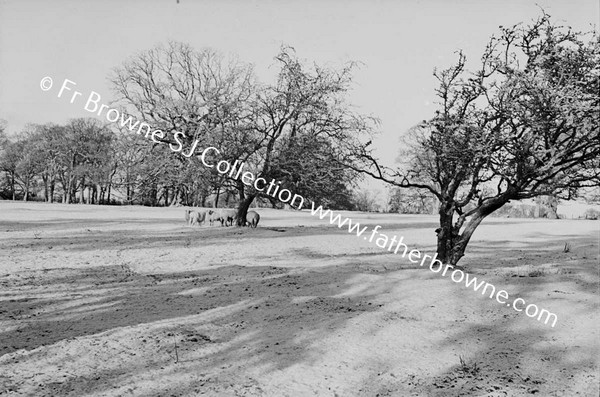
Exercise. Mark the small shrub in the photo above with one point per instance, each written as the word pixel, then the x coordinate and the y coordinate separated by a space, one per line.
pixel 464 367
pixel 567 248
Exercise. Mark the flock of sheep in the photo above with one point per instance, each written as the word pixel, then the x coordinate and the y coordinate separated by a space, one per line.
pixel 227 217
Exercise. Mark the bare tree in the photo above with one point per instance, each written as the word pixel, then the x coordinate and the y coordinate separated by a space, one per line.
pixel 82 148
pixel 290 131
pixel 366 200
pixel 524 124
pixel 306 129
pixel 197 98
pixel 410 201
pixel 10 156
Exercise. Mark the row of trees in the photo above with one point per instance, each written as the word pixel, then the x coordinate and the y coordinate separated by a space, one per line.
pixel 61 158
pixel 295 131
pixel 86 161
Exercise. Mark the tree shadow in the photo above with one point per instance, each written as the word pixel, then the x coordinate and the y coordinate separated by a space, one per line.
pixel 217 316
pixel 505 352
pixel 92 238
pixel 510 358
pixel 271 316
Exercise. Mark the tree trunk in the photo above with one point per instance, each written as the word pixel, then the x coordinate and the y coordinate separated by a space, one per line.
pixel 240 188
pixel 26 189
pixel 243 209
pixel 65 191
pixel 173 198
pixel 154 197
pixel 460 242
pixel 451 242
pixel 110 185
pixel 445 235
pixel 45 179
pixel 52 183
pixel 552 207
pixel 273 201
pixel 12 186
pixel 81 195
pixel 217 198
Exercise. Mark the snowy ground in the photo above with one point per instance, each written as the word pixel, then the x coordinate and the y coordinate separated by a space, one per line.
pixel 129 301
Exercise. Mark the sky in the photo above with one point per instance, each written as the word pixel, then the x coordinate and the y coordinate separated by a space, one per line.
pixel 398 43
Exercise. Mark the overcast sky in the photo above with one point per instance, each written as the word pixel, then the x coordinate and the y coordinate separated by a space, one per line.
pixel 399 42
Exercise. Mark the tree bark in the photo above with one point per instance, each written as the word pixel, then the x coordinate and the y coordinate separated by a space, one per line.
pixel 241 189
pixel 52 191
pixel 460 242
pixel 445 234
pixel 451 242
pixel 155 195
pixel 26 189
pixel 81 194
pixel 12 186
pixel 274 202
pixel 243 209
pixel 45 179
pixel 217 198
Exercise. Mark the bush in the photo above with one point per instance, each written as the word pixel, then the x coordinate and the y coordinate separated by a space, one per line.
pixel 592 214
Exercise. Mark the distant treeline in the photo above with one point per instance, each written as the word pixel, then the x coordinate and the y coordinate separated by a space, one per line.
pixel 85 161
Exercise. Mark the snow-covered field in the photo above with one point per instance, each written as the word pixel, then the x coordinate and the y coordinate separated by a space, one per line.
pixel 120 301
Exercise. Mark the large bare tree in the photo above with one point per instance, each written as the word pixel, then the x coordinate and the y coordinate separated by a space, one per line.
pixel 524 124
pixel 197 98
pixel 305 129
pixel 289 131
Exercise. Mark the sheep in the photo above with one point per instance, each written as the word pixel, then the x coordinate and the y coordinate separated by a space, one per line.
pixel 212 217
pixel 252 219
pixel 225 216
pixel 200 217
pixel 229 216
pixel 195 217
